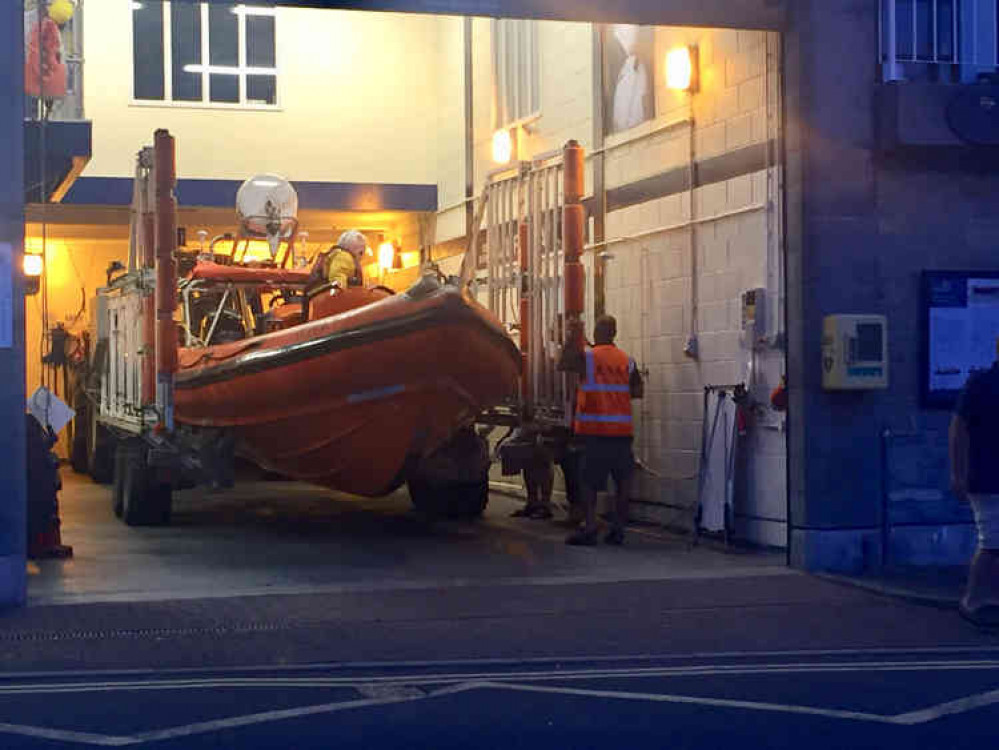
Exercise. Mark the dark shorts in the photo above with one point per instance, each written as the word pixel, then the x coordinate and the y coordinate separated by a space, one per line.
pixel 606 456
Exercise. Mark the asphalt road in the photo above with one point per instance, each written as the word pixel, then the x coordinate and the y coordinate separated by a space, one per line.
pixel 855 699
pixel 243 627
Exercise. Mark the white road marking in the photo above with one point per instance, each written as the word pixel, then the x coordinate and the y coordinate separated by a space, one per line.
pixel 64 735
pixel 623 659
pixel 717 702
pixel 950 708
pixel 460 677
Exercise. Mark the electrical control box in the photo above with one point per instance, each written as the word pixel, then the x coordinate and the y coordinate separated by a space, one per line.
pixel 854 352
pixel 754 319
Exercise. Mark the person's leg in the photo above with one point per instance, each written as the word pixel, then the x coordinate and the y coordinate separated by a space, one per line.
pixel 593 477
pixel 545 482
pixel 983 574
pixel 623 472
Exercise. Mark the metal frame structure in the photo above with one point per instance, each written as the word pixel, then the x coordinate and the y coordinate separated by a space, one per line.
pixel 519 275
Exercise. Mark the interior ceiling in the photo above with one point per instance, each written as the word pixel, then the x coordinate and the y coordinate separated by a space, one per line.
pixel 745 14
pixel 75 222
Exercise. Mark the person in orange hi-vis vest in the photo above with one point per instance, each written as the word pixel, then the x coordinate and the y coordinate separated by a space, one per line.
pixel 609 379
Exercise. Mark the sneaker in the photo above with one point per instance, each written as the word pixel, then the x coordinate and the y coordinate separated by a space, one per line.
pixel 985 618
pixel 582 539
pixel 615 537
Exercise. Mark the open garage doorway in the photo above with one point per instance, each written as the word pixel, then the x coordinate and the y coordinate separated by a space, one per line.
pixel 395 124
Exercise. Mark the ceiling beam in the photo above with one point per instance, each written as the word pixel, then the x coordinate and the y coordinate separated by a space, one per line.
pixel 742 14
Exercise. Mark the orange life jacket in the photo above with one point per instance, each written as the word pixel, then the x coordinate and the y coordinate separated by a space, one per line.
pixel 603 396
pixel 50 81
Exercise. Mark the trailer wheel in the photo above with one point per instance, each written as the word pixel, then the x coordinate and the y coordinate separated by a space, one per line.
pixel 146 501
pixel 464 501
pixel 100 452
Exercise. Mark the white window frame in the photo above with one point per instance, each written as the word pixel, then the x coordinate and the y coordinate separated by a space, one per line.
pixel 242 70
pixel 526 33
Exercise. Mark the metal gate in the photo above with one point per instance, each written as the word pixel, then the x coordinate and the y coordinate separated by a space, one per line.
pixel 520 274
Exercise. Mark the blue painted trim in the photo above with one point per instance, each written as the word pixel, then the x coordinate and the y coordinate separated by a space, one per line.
pixel 607 418
pixel 335 196
pixel 392 390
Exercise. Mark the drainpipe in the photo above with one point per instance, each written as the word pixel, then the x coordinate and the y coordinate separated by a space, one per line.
pixel 599 161
pixel 166 276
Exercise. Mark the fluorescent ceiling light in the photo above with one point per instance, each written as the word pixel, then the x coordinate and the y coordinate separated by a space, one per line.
pixel 136 6
pixel 229 70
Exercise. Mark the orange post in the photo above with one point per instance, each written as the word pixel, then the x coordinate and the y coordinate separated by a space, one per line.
pixel 166 275
pixel 573 232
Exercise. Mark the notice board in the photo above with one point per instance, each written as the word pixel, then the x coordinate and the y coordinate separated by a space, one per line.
pixel 960 311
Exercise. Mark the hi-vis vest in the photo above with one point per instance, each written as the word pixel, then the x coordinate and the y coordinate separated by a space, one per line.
pixel 603 397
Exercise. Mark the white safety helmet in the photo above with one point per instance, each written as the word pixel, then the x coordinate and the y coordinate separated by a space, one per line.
pixel 353 242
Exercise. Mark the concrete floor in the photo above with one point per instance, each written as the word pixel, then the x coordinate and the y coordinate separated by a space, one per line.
pixel 286 538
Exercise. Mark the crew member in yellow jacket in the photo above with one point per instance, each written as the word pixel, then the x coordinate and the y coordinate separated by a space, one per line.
pixel 343 265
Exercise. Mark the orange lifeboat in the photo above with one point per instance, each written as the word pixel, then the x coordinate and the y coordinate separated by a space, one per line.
pixel 369 382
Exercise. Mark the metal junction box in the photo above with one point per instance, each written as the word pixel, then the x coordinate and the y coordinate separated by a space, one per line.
pixel 854 352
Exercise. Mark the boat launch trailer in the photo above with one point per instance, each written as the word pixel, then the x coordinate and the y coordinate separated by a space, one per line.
pixel 180 361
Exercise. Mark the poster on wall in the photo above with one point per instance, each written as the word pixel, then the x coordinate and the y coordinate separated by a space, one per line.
pixel 960 326
pixel 629 76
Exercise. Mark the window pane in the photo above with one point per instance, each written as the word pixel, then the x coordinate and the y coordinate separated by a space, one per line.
pixel 260 42
pixel 223 35
pixel 185 30
pixel 261 89
pixel 147 53
pixel 224 87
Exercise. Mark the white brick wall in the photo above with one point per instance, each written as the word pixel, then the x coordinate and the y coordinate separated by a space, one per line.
pixel 648 282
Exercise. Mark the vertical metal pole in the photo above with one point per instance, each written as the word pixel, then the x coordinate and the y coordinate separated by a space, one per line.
pixel 599 205
pixel 915 29
pixel 166 275
pixel 466 41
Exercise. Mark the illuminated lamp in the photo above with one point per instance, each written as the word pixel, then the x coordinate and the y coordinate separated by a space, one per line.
pixel 681 69
pixel 386 256
pixel 502 146
pixel 34 266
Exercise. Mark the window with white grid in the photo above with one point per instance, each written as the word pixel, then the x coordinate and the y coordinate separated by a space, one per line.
pixel 516 71
pixel 216 54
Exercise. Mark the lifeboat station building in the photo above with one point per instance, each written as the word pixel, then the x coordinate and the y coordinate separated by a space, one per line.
pixel 789 209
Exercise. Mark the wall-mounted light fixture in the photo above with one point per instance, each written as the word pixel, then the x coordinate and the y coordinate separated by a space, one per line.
pixel 503 145
pixel 681 69
pixel 34 267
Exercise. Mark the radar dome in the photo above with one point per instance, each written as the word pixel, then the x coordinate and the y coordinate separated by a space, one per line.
pixel 267 206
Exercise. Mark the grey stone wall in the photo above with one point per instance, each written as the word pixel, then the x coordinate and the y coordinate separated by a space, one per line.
pixel 862 225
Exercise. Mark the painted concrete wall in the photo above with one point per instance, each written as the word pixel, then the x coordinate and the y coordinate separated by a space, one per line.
pixel 358 96
pixel 649 280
